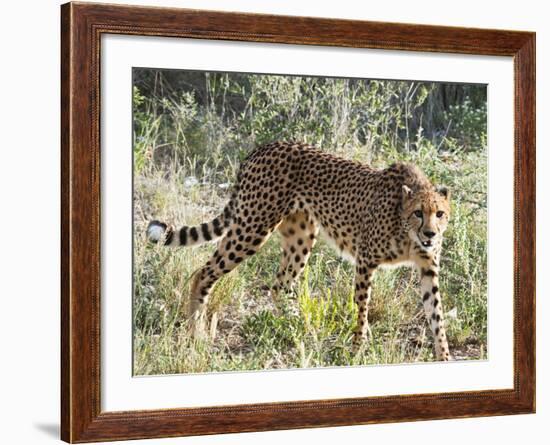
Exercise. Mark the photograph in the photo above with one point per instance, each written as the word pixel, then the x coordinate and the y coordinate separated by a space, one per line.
pixel 292 221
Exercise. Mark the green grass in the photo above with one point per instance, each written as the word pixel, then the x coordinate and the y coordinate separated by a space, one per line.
pixel 312 328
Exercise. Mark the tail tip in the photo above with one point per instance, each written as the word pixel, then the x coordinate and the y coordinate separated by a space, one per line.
pixel 155 231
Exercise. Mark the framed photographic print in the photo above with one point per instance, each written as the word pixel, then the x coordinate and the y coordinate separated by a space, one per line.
pixel 274 222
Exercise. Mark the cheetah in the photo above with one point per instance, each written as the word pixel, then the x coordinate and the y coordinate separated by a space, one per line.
pixel 374 217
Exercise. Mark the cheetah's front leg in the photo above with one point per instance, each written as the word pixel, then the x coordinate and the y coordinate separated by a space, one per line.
pixel 363 289
pixel 431 298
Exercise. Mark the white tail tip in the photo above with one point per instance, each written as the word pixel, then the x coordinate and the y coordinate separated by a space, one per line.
pixel 155 231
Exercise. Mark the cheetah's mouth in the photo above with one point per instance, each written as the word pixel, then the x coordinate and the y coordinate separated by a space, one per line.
pixel 425 245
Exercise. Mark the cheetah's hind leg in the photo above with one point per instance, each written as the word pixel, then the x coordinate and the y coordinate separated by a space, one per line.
pixel 237 245
pixel 298 236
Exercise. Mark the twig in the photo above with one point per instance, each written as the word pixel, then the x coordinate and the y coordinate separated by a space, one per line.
pixel 444 136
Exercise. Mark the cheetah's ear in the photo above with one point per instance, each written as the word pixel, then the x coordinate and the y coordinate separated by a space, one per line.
pixel 443 191
pixel 407 192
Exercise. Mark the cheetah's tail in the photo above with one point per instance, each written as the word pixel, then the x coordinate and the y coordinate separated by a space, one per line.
pixel 191 235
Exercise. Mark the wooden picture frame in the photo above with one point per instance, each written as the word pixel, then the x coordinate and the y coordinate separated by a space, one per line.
pixel 82 25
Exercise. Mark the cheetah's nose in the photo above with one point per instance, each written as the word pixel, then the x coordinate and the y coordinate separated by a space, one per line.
pixel 429 233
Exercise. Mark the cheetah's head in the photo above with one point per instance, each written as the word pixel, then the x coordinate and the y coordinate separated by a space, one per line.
pixel 426 214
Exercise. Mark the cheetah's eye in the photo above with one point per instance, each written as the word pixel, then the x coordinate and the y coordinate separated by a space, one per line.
pixel 439 214
pixel 418 213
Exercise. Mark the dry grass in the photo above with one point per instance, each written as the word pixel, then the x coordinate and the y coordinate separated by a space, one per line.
pixel 312 328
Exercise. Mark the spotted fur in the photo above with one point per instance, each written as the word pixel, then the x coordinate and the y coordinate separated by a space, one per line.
pixel 375 217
